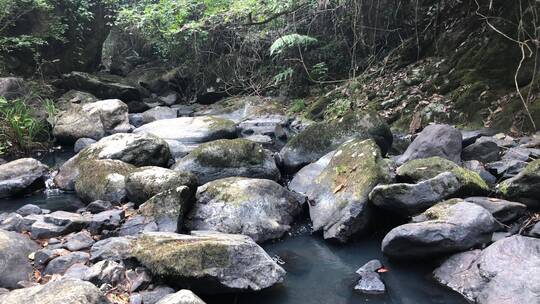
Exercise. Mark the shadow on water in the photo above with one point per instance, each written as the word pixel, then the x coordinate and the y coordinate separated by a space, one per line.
pixel 320 272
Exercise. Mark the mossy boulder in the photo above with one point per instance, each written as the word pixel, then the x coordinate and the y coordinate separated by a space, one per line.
pixel 524 187
pixel 320 138
pixel 135 149
pixel 207 262
pixel 167 209
pixel 226 158
pixel 258 208
pixel 447 227
pixel 103 179
pixel 184 134
pixel 339 194
pixel 145 182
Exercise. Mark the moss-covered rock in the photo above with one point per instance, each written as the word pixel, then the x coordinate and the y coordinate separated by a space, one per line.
pixel 102 180
pixel 259 208
pixel 524 187
pixel 339 194
pixel 320 138
pixel 227 158
pixel 145 182
pixel 167 209
pixel 207 262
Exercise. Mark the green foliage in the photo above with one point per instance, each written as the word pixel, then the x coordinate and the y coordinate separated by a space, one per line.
pixel 283 76
pixel 52 112
pixel 18 125
pixel 291 41
pixel 319 71
pixel 297 106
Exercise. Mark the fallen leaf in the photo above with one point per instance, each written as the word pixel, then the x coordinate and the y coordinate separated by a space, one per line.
pixel 338 188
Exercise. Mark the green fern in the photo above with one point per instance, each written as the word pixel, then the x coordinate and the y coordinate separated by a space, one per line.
pixel 289 41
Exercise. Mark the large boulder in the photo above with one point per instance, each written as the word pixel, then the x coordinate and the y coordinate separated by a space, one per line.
pixel 103 179
pixel 65 291
pixel 422 169
pixel 14 263
pixel 504 272
pixel 303 180
pixel 158 113
pixel 21 175
pixel 339 194
pixel 183 296
pixel 447 227
pixel 410 199
pixel 484 151
pixel 74 97
pixel 135 149
pixel 92 120
pixel 185 133
pixel 435 140
pixel 101 87
pixel 208 262
pixel 227 158
pixel 504 211
pixel 145 182
pixel 525 187
pixel 320 138
pixel 258 208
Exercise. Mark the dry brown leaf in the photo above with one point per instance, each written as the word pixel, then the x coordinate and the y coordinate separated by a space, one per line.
pixel 338 188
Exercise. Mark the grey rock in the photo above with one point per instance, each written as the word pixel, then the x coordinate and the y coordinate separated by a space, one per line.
pixel 137 224
pixel 229 158
pixel 138 278
pixel 371 266
pixel 101 87
pixel 21 175
pixel 92 120
pixel 145 182
pixel 155 295
pixel 501 273
pixel 106 272
pixel 106 220
pixel 168 208
pixel 74 97
pixel 435 140
pixel 479 168
pixel 185 133
pixel 66 291
pixel 71 221
pixel 258 208
pixel 82 143
pixel 506 168
pixel 447 227
pixel 99 206
pixel 60 264
pixel 136 119
pixel 29 209
pixel 521 154
pixel 13 222
pixel 43 256
pixel 78 241
pixel 303 180
pixel 14 263
pixel 183 296
pixel 535 231
pixel 44 230
pixel 234 262
pixel 338 196
pixel 77 271
pixel 485 152
pixel 159 113
pixel 12 87
pixel 504 211
pixel 525 186
pixel 370 283
pixel 114 248
pixel 320 138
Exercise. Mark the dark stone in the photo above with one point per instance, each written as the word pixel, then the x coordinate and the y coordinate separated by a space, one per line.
pixel 99 206
pixel 29 209
pixel 82 143
pixel 60 264
pixel 114 248
pixel 435 140
pixel 14 264
pixel 484 152
pixel 503 211
pixel 78 241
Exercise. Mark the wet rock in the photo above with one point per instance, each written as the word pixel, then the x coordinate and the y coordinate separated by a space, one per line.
pixel 411 199
pixel 501 273
pixel 114 248
pixel 183 296
pixel 66 291
pixel 60 264
pixel 14 263
pixel 99 206
pixel 303 180
pixel 82 143
pixel 103 180
pixel 447 227
pixel 22 175
pixel 158 113
pixel 167 209
pixel 92 120
pixel 524 187
pixel 370 282
pixel 207 261
pixel 145 182
pixel 135 149
pixel 321 138
pixel 535 231
pixel 185 133
pixel 101 87
pixel 78 241
pixel 485 152
pixel 136 119
pixel 504 211
pixel 371 266
pixel 29 209
pixel 229 158
pixel 258 208
pixel 435 140
pixel 338 196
